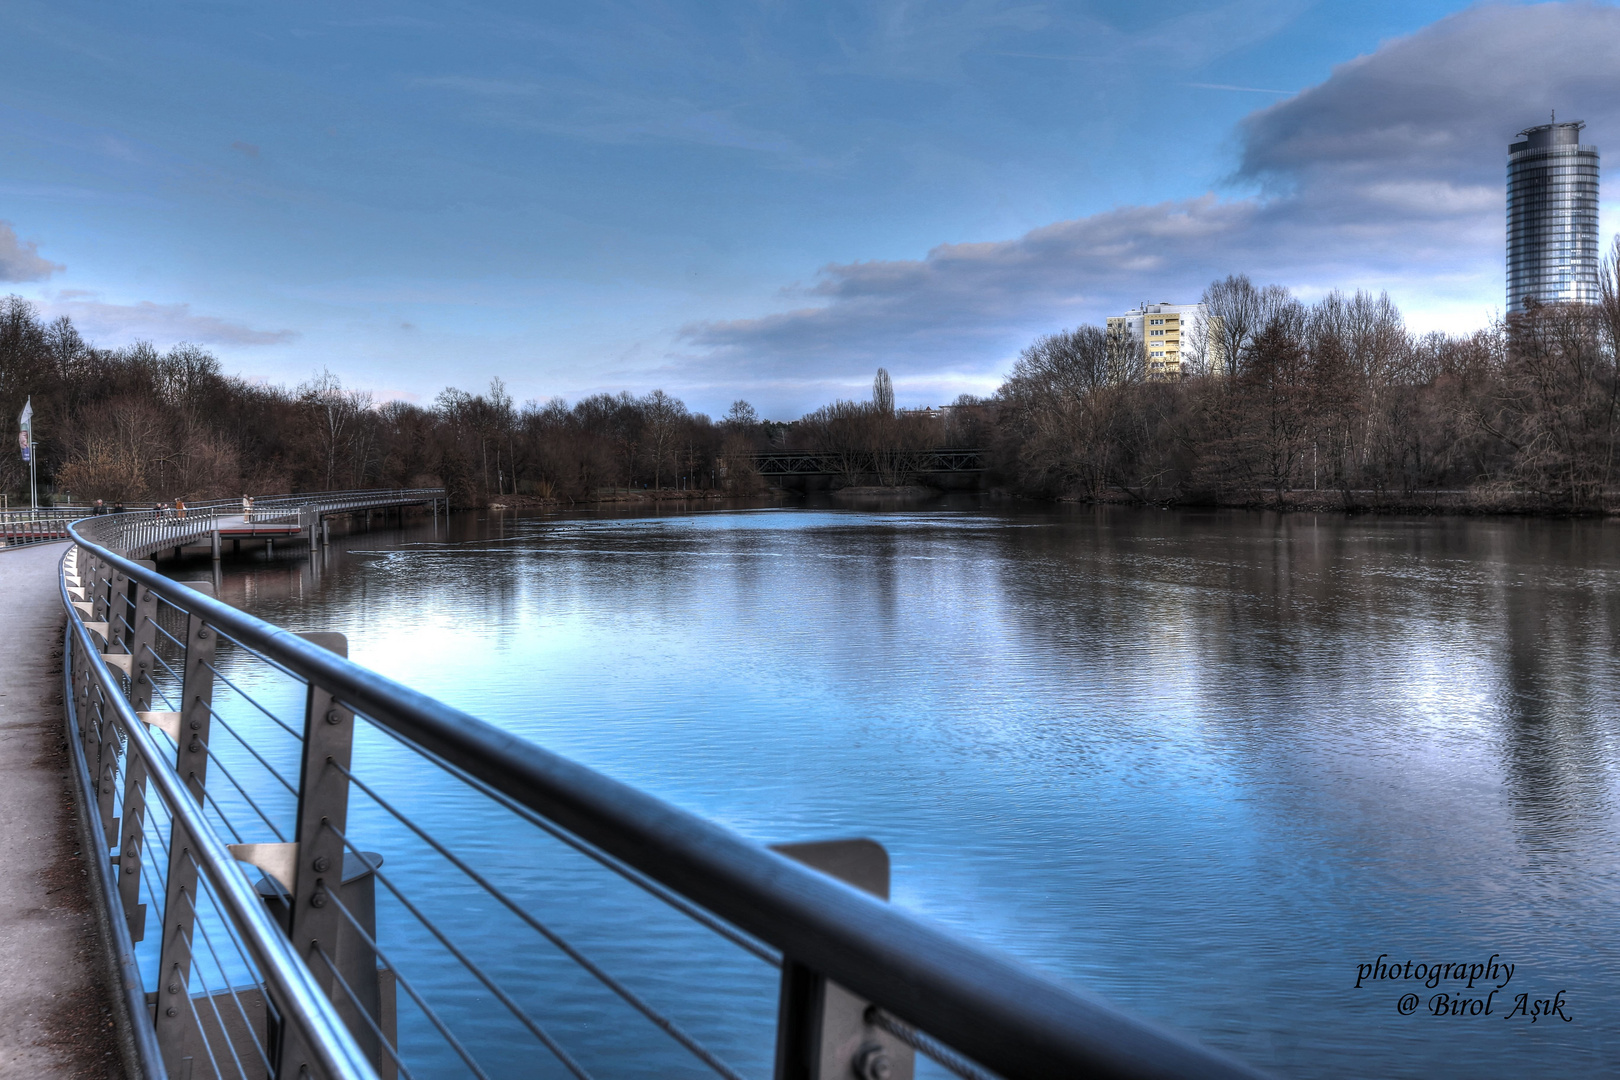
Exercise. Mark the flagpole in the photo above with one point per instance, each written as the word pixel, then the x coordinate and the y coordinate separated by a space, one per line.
pixel 30 448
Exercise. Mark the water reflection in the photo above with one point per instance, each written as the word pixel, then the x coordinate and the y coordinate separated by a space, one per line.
pixel 1204 763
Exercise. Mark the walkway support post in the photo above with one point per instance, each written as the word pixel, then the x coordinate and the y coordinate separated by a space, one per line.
pixel 174 1010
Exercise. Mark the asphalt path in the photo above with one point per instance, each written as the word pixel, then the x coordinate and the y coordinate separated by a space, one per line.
pixel 54 1015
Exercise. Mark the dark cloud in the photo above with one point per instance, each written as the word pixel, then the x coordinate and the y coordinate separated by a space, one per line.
pixel 20 261
pixel 1387 175
pixel 163 324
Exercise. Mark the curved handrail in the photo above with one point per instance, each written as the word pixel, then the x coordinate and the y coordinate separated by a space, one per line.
pixel 995 1010
pixel 146 530
pixel 293 987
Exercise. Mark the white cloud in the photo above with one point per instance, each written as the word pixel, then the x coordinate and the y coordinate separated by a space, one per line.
pixel 21 261
pixel 1389 174
pixel 161 324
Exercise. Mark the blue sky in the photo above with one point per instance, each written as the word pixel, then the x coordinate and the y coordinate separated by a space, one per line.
pixel 761 200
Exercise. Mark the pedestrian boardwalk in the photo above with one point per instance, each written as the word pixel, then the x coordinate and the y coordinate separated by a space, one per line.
pixel 54 1017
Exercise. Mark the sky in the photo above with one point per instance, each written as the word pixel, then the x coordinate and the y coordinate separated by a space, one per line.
pixel 762 200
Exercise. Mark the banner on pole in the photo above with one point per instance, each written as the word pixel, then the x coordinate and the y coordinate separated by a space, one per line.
pixel 25 429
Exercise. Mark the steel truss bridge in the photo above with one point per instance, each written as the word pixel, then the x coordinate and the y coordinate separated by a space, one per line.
pixel 845 462
pixel 238 776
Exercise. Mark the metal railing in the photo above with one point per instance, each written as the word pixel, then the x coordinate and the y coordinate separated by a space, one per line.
pixel 19 527
pixel 273 750
pixel 142 532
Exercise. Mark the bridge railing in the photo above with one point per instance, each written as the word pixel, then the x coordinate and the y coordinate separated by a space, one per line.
pixel 138 532
pixel 19 527
pixel 288 507
pixel 287 816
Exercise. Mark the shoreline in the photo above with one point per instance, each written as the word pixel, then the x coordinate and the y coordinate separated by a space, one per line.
pixel 1453 503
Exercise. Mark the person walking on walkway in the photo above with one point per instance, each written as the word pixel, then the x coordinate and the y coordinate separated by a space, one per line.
pixel 118 507
pixel 99 509
pixel 180 509
pixel 247 509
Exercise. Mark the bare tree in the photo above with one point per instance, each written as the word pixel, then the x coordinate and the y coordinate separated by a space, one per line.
pixel 1237 312
pixel 334 414
pixel 664 415
pixel 883 393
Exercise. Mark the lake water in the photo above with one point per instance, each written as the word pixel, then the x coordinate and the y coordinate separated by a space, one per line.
pixel 1203 764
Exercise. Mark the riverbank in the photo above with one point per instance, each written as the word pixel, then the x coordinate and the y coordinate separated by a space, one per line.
pixel 1471 502
pixel 631 497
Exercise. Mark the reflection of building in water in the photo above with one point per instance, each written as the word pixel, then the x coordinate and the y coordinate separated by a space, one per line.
pixel 1552 217
pixel 1177 339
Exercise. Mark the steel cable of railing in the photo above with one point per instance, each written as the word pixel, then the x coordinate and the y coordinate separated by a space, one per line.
pixel 674 1030
pixel 213 757
pixel 236 995
pixel 399 976
pixel 236 834
pixel 208 1048
pixel 365 1014
pixel 925 1044
pixel 271 769
pixel 501 995
pixel 173 674
pixel 629 873
pixel 159 628
pixel 249 698
pixel 207 994
pixel 201 925
pixel 162 847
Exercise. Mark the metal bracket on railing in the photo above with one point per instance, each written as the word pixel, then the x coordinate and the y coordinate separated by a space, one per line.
pixel 822 1030
pixel 278 861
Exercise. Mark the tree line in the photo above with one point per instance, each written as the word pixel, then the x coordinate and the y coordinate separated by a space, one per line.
pixel 1285 403
pixel 1334 403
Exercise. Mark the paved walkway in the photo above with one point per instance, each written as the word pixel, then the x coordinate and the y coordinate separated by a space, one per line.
pixel 54 1017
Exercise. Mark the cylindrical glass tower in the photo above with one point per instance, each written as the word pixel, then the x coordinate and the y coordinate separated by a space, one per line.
pixel 1552 217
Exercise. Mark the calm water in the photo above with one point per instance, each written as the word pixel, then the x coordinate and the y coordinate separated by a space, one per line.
pixel 1203 764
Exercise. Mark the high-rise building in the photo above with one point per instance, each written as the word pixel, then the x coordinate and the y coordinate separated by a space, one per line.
pixel 1176 338
pixel 1552 217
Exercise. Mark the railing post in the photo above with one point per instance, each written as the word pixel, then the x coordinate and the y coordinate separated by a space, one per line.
pixel 821 1028
pixel 141 642
pixel 174 1019
pixel 109 745
pixel 323 812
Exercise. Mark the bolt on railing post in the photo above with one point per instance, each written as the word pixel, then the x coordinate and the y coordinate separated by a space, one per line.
pixel 821 1031
pixel 174 1012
